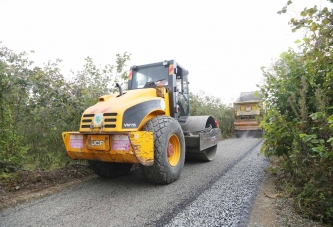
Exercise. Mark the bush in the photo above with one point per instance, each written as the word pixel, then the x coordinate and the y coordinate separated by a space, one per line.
pixel 298 123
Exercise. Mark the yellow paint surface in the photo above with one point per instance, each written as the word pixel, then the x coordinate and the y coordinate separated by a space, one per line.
pixel 130 147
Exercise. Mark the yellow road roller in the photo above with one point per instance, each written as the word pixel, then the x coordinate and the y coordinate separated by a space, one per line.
pixel 148 124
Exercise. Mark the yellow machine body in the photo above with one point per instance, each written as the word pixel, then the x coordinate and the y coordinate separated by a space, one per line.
pixel 110 130
pixel 133 147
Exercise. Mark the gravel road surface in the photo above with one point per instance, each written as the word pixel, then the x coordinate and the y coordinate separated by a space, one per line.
pixel 217 193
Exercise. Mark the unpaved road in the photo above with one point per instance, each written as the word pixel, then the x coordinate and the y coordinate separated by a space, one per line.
pixel 218 193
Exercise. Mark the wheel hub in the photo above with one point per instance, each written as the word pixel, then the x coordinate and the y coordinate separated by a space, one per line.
pixel 170 150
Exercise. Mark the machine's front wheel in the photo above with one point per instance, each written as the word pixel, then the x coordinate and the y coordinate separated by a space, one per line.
pixel 109 169
pixel 169 150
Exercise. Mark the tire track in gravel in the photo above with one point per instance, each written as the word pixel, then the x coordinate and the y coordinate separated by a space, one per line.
pixel 167 217
pixel 229 200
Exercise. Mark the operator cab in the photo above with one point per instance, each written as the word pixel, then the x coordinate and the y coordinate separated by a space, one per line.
pixel 168 74
pixel 149 76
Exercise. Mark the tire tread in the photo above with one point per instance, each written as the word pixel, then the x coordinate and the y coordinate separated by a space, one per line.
pixel 161 172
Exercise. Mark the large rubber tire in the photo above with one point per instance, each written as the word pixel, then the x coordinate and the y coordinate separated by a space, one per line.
pixel 109 169
pixel 169 150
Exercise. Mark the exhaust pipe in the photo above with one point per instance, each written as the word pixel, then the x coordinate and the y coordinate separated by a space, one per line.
pixel 120 89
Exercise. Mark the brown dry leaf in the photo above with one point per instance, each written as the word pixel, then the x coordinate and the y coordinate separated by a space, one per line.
pixel 272 196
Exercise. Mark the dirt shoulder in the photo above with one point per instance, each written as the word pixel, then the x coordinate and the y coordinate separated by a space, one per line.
pixel 273 208
pixel 30 185
pixel 264 211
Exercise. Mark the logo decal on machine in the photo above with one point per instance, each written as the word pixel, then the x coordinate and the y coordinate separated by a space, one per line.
pixel 97 142
pixel 129 125
pixel 98 119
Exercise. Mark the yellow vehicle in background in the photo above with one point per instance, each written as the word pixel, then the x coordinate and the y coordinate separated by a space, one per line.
pixel 149 125
pixel 248 112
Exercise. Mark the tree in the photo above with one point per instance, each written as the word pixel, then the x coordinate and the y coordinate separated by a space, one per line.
pixel 38 103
